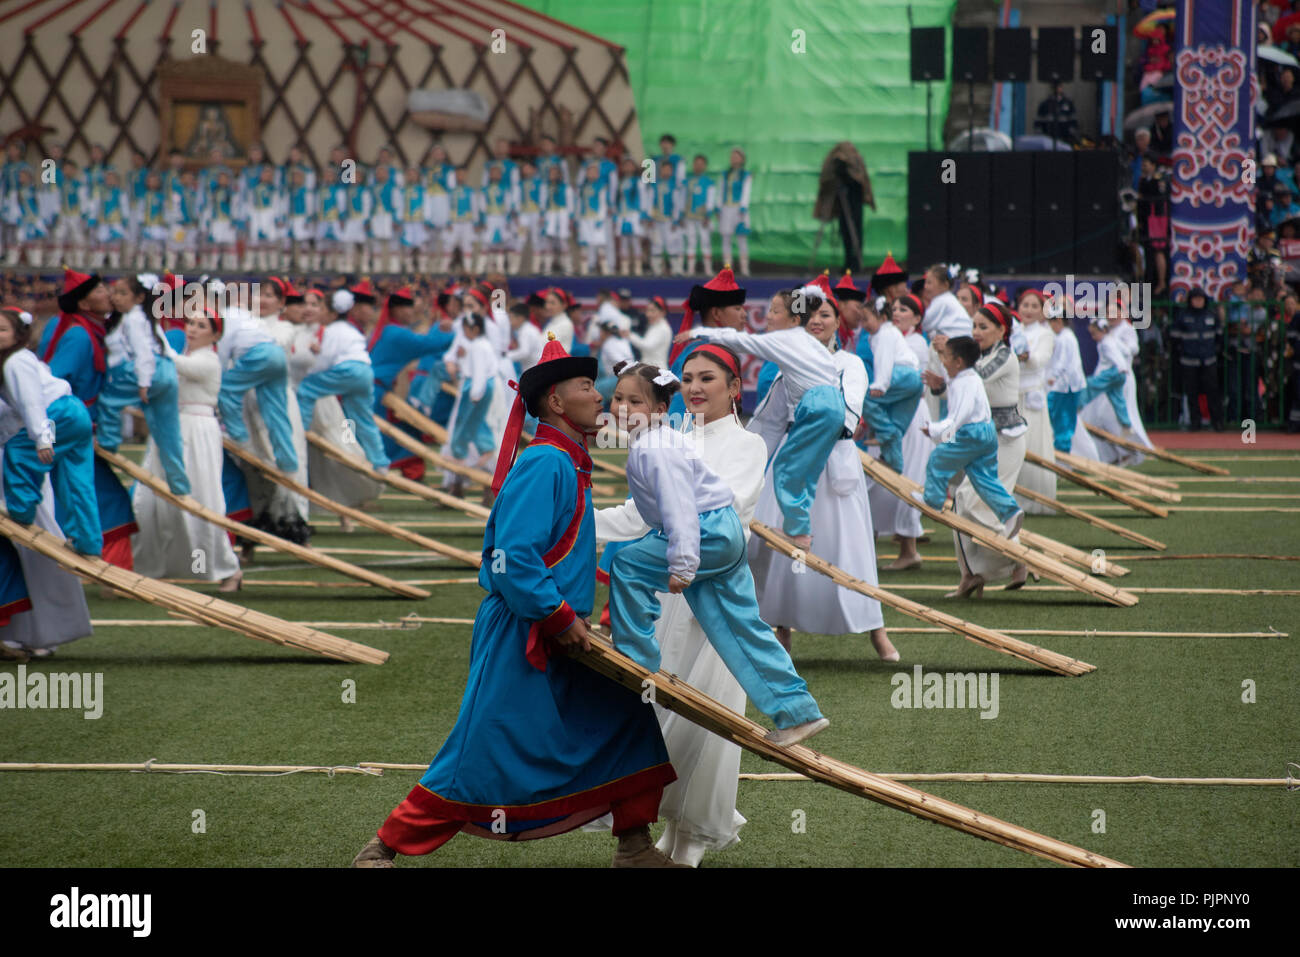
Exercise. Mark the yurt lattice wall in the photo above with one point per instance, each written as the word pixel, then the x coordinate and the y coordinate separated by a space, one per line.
pixel 336 72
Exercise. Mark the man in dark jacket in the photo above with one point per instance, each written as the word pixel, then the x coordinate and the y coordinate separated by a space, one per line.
pixel 1195 333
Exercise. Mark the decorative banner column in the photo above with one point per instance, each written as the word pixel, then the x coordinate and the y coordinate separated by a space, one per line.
pixel 1212 207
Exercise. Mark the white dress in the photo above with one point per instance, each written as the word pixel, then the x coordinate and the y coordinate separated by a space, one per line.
pixel 1001 373
pixel 266 497
pixel 1033 408
pixel 1100 413
pixel 59 612
pixel 173 543
pixel 842 534
pixel 701 804
pixel 890 515
pixel 332 479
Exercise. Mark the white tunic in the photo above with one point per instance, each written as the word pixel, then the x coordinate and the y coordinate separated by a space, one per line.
pixel 672 488
pixel 1065 372
pixel 240 334
pixel 702 801
pixel 968 404
pixel 1120 347
pixel 133 341
pixel 173 543
pixel 615 350
pixel 528 345
pixel 29 387
pixel 342 342
pixel 946 316
pixel 804 362
pixel 887 350
pixel 842 534
pixel 266 497
pixel 655 345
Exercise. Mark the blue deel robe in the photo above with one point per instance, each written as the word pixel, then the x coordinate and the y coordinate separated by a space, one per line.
pixel 540 737
pixel 73 359
pixel 396 347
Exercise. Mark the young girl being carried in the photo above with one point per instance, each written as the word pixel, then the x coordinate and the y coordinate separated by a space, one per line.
pixel 697 549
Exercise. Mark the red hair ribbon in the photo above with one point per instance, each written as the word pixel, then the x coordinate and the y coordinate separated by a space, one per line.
pixel 727 358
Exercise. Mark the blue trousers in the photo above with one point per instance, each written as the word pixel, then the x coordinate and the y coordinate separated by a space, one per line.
pixel 723 601
pixel 1063 412
pixel 471 423
pixel 72 473
pixel 161 412
pixel 891 414
pixel 1110 382
pixel 262 368
pixel 975 449
pixel 431 400
pixel 354 383
pixel 818 425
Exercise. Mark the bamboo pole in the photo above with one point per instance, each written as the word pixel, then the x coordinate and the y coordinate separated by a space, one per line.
pixel 1139 483
pixel 306 553
pixel 358 516
pixel 1093 485
pixel 403 625
pixel 203 608
pixel 1093 633
pixel 1044 565
pixel 1061 664
pixel 303 583
pixel 1119 476
pixel 998 777
pixel 1094 520
pixel 672 693
pixel 1156 452
pixel 155 767
pixel 1098 564
pixel 1148 590
pixel 395 480
pixel 1230 555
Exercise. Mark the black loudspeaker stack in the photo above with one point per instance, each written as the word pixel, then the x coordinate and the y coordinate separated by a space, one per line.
pixel 1042 213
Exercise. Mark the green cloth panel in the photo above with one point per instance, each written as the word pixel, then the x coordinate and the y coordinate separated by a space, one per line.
pixel 722 74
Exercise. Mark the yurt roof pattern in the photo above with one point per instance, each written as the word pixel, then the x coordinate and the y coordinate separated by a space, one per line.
pixel 88 69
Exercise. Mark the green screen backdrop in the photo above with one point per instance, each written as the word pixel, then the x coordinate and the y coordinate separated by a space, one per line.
pixel 722 74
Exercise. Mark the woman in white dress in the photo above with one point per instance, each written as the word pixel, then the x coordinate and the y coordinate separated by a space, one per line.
pixel 1099 412
pixel 700 806
pixel 998 367
pixel 788 595
pixel 890 515
pixel 1039 343
pixel 173 543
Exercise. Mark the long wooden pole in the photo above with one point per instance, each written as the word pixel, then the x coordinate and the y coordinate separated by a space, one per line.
pixel 203 608
pixel 672 693
pixel 1133 481
pixel 1061 664
pixel 1094 520
pixel 358 516
pixel 1093 485
pixel 394 480
pixel 1099 564
pixel 1002 777
pixel 1155 452
pixel 1093 633
pixel 307 554
pixel 1044 565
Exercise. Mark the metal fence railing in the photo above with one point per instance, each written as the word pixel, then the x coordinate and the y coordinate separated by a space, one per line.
pixel 1254 373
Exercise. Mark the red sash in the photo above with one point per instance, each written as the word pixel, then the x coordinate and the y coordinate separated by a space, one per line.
pixel 540 647
pixel 95 330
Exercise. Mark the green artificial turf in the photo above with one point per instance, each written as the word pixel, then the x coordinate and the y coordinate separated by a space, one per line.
pixel 1158 706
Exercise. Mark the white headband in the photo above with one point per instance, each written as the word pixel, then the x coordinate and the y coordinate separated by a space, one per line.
pixel 665 377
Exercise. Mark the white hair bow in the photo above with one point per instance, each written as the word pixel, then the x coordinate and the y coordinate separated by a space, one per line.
pixel 342 301
pixel 665 377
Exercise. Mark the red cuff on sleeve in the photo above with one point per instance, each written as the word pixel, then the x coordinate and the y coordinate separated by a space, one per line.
pixel 557 621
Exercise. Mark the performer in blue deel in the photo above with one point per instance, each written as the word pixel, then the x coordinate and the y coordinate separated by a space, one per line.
pixel 542 744
pixel 73 348
pixel 719 303
pixel 393 344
